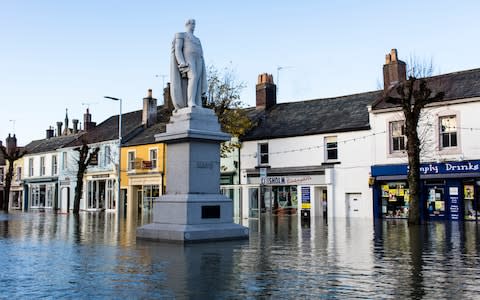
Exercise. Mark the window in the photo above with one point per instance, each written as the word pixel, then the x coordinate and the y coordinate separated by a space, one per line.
pixel 448 131
pixel 331 148
pixel 131 160
pixel 397 136
pixel 106 155
pixel 19 173
pixel 64 160
pixel 153 158
pixel 263 150
pixel 54 165
pixel 30 167
pixel 42 165
pixel 2 174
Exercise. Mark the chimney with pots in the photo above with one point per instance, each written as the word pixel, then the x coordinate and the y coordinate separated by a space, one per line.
pixel 59 128
pixel 149 113
pixel 87 121
pixel 49 132
pixel 75 126
pixel 266 91
pixel 394 70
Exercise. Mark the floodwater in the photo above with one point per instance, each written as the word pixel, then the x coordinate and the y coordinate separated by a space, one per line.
pixel 43 255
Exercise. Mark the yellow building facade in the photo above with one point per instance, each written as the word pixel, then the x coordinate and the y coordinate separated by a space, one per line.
pixel 142 176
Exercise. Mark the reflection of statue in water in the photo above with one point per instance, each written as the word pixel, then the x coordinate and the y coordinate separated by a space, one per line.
pixel 187 70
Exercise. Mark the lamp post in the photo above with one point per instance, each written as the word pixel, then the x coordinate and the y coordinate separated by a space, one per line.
pixel 119 151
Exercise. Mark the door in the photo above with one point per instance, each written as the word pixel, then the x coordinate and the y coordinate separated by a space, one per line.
pixel 435 203
pixel 253 200
pixel 353 205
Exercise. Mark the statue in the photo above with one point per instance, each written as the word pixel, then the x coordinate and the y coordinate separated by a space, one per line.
pixel 187 69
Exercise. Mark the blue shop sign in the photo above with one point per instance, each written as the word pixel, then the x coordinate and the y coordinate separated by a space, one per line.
pixel 454 167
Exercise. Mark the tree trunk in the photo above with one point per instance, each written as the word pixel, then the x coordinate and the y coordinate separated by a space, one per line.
pixel 413 150
pixel 8 185
pixel 78 191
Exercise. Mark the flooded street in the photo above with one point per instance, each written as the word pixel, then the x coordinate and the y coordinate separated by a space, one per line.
pixel 97 255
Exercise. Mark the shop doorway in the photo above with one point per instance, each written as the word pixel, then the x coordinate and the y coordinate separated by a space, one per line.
pixel 436 202
pixel 353 203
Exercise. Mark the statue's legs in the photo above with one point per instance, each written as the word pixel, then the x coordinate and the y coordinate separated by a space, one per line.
pixel 193 94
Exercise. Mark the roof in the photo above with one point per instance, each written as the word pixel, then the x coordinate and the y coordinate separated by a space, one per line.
pixel 329 115
pixel 51 144
pixel 147 135
pixel 133 132
pixel 457 85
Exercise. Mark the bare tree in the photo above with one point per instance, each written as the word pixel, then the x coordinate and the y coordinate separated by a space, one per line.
pixel 412 96
pixel 11 155
pixel 85 157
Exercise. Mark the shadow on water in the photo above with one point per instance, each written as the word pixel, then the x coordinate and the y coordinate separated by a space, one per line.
pixel 97 255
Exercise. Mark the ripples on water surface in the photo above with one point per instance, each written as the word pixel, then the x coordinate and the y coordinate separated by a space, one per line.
pixel 97 256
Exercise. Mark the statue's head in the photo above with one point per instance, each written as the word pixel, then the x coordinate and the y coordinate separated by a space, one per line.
pixel 190 25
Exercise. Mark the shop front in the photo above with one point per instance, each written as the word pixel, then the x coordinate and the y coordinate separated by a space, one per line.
pixel 285 193
pixel 143 190
pixel 449 190
pixel 100 191
pixel 39 194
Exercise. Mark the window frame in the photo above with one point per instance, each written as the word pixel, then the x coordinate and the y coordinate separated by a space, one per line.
pixel 31 170
pixel 438 132
pixel 153 161
pixel 263 156
pixel 333 139
pixel 449 134
pixel 131 162
pixel 54 165
pixel 392 138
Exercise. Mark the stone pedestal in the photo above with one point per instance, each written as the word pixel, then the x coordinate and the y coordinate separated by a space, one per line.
pixel 193 209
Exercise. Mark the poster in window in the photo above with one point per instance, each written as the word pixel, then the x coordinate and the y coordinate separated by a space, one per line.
pixel 468 192
pixel 385 190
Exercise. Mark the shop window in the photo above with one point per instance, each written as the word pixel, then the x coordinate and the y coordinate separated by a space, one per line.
pixel 30 167
pixel 131 160
pixel 395 200
pixel 448 132
pixel 470 200
pixel 263 153
pixel 54 165
pixel 331 148
pixel 397 136
pixel 153 158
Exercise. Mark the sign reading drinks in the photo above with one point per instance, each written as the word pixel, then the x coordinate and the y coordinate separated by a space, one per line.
pixel 471 166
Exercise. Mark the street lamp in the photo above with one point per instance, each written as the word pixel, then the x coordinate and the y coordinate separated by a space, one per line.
pixel 119 149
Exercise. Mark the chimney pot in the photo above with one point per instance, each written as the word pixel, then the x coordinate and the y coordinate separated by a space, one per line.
pixel 394 70
pixel 59 128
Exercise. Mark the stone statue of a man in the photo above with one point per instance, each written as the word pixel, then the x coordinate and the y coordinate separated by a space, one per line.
pixel 187 70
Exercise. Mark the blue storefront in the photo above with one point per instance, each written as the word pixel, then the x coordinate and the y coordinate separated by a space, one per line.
pixel 449 190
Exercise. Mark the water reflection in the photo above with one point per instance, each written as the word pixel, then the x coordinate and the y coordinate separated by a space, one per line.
pixel 97 255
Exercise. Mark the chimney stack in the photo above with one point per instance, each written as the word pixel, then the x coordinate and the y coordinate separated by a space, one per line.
pixel 75 126
pixel 266 91
pixel 11 144
pixel 149 113
pixel 49 132
pixel 394 70
pixel 87 121
pixel 167 98
pixel 59 128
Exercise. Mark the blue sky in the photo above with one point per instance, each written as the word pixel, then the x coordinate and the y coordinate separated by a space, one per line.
pixel 59 54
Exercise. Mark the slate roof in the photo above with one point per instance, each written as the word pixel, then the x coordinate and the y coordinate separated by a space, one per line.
pixel 147 135
pixel 133 132
pixel 329 115
pixel 51 144
pixel 457 85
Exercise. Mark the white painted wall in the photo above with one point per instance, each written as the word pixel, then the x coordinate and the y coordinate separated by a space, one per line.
pixel 468 133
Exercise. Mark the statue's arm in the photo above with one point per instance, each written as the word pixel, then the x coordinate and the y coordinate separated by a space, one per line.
pixel 179 49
